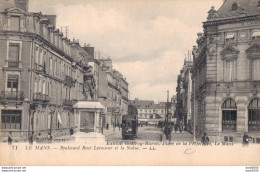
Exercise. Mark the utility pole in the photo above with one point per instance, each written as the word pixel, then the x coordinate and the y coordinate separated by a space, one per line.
pixel 167 106
pixel 194 112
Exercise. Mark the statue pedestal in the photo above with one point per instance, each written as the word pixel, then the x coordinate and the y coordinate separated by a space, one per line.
pixel 88 116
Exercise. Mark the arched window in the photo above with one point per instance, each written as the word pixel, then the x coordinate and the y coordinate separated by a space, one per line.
pixel 234 7
pixel 254 115
pixel 229 115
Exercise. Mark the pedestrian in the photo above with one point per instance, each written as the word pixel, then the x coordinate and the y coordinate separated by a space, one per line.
pixel 119 125
pixel 71 131
pixel 205 139
pixel 114 126
pixel 31 138
pixel 181 126
pixel 176 128
pixel 10 138
pixel 246 139
pixel 38 137
pixel 50 137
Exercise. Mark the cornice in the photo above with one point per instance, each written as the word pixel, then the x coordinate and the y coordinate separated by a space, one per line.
pixel 39 37
pixel 230 20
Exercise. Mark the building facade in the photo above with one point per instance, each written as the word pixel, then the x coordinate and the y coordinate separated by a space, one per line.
pixel 151 113
pixel 226 73
pixel 114 93
pixel 41 73
pixel 183 90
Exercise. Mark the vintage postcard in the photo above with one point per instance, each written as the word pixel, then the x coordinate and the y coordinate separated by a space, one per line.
pixel 129 82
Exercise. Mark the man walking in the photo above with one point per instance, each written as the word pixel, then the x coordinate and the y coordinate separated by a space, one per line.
pixel 246 139
pixel 205 139
pixel 10 138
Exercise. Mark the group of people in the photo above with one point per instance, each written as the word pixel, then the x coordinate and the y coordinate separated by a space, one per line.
pixel 37 138
pixel 245 142
pixel 178 127
pixel 114 126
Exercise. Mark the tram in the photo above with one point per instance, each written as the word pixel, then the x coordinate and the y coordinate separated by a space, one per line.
pixel 130 123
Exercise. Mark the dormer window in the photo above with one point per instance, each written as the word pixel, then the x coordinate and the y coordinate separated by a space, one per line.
pixel 256 35
pixel 234 7
pixel 230 37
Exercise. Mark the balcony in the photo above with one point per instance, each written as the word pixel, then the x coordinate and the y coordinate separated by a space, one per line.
pixel 38 97
pixel 67 102
pixel 13 64
pixel 46 98
pixel 69 81
pixel 125 98
pixel 12 95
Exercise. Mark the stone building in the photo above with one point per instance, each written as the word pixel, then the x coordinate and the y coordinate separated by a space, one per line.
pixel 183 90
pixel 113 92
pixel 152 113
pixel 41 73
pixel 226 74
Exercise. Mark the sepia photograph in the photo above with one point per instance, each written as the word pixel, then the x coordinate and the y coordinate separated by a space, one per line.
pixel 130 82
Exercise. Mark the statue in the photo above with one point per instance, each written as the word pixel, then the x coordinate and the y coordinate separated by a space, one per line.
pixel 88 83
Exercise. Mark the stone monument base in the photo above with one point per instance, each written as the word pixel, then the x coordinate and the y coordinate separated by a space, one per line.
pixel 88 116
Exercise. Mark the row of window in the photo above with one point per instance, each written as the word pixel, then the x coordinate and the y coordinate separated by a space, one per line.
pixel 52 88
pixel 12 119
pixel 48 33
pixel 146 116
pixel 41 85
pixel 229 115
pixel 154 110
pixel 52 63
pixel 230 37
pixel 230 68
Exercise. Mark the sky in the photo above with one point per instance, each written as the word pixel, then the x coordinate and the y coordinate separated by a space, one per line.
pixel 146 39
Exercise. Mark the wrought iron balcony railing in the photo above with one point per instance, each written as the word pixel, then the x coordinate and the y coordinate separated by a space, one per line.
pixel 46 98
pixel 13 64
pixel 38 97
pixel 67 102
pixel 12 95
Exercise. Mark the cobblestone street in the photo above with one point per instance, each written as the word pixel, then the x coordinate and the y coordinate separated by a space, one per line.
pixel 148 133
pixel 144 133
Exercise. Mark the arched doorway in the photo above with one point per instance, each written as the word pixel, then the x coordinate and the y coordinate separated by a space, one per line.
pixel 254 115
pixel 229 115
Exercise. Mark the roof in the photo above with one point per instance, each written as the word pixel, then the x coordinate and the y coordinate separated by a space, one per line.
pixel 141 103
pixel 5 4
pixel 244 7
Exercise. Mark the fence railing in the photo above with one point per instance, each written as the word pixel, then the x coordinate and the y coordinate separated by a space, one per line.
pixel 12 95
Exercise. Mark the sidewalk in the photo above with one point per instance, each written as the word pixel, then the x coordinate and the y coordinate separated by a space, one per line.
pixel 111 133
pixel 184 136
pixel 80 137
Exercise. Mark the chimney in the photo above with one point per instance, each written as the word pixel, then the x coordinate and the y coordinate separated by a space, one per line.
pixel 23 4
pixel 199 34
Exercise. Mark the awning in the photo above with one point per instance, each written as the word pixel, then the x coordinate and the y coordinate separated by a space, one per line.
pixel 256 33
pixel 59 118
pixel 230 36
